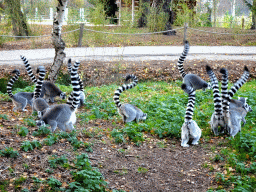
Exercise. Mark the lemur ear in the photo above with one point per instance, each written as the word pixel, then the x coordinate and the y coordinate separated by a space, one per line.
pixel 245 98
pixel 239 98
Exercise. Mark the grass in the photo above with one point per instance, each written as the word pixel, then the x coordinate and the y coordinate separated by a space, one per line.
pixel 165 104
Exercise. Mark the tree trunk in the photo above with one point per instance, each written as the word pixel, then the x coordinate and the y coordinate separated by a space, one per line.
pixel 253 15
pixel 19 23
pixel 57 41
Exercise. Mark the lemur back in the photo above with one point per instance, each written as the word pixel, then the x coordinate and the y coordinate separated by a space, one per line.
pixel 63 115
pixel 217 117
pixel 21 99
pixel 128 111
pixel 190 128
pixel 229 120
pixel 39 104
pixel 191 80
pixel 49 89
pixel 238 110
pixel 81 93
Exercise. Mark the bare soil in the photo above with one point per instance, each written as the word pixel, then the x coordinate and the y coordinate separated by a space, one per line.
pixel 207 36
pixel 167 166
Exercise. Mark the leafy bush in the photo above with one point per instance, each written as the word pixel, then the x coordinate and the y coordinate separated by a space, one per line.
pixel 9 152
pixel 23 131
pixel 42 131
pixel 30 121
pixel 54 161
pixel 30 145
pixel 86 177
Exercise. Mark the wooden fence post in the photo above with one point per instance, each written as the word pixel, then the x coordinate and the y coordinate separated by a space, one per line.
pixel 185 31
pixel 81 35
pixel 242 23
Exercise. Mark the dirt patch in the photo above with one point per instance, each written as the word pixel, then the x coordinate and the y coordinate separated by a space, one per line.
pixel 195 37
pixel 156 165
pixel 96 73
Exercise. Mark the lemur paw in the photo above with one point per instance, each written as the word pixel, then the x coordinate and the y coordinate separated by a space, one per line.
pixel 184 145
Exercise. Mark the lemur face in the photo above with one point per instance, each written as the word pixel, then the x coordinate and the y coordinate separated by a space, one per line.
pixel 63 95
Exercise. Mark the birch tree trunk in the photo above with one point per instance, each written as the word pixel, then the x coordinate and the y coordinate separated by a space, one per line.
pixel 57 41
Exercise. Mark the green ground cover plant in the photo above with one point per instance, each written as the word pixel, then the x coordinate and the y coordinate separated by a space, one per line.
pixel 165 104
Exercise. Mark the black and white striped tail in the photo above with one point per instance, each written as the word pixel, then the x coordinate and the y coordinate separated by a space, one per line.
pixel 69 66
pixel 224 90
pixel 39 83
pixel 124 87
pixel 75 85
pixel 238 84
pixel 216 93
pixel 191 102
pixel 182 58
pixel 70 98
pixel 28 68
pixel 11 82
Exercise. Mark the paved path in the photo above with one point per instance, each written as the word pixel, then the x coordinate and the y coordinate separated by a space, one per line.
pixel 38 56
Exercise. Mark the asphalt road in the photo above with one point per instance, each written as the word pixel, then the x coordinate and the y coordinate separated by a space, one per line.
pixel 137 53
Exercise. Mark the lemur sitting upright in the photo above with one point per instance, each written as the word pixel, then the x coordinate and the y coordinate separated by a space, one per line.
pixel 233 112
pixel 21 99
pixel 217 118
pixel 49 89
pixel 223 117
pixel 128 111
pixel 190 128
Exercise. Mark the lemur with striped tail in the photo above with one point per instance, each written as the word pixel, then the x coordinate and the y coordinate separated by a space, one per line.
pixel 21 99
pixel 217 118
pixel 234 111
pixel 63 115
pixel 81 93
pixel 191 80
pixel 190 128
pixel 49 89
pixel 39 104
pixel 128 111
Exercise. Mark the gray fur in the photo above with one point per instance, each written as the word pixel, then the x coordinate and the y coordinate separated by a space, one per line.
pixel 21 99
pixel 63 116
pixel 217 118
pixel 49 89
pixel 190 130
pixel 128 112
pixel 39 104
pixel 238 110
pixel 191 80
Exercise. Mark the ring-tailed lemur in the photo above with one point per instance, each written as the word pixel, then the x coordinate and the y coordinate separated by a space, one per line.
pixel 217 117
pixel 39 104
pixel 49 89
pixel 223 117
pixel 81 93
pixel 190 80
pixel 63 115
pixel 128 111
pixel 231 119
pixel 238 109
pixel 21 99
pixel 190 128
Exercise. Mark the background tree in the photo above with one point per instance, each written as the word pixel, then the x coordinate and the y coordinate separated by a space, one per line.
pixel 58 42
pixel 252 7
pixel 17 18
